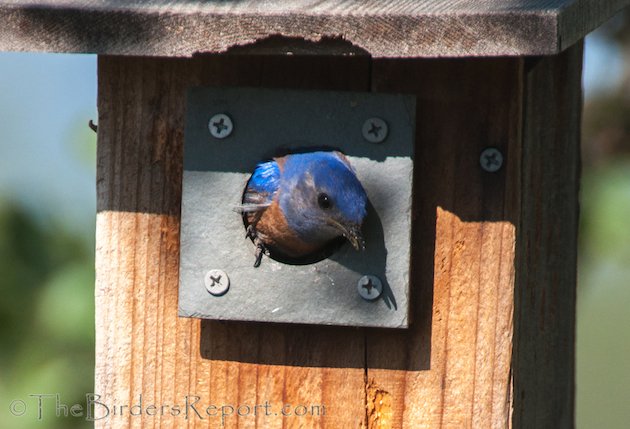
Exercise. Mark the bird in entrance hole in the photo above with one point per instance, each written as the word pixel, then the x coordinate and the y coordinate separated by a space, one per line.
pixel 297 205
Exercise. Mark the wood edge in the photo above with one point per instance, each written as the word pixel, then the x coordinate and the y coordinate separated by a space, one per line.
pixel 532 393
pixel 493 34
pixel 572 29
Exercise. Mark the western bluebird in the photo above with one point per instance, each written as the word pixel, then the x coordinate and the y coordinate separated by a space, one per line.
pixel 296 205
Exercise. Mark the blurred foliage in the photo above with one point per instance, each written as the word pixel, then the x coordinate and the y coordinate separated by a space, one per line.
pixel 618 28
pixel 606 129
pixel 603 338
pixel 606 124
pixel 606 213
pixel 46 317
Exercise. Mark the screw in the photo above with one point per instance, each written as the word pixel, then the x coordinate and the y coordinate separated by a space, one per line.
pixel 217 282
pixel 220 126
pixel 374 130
pixel 369 287
pixel 491 159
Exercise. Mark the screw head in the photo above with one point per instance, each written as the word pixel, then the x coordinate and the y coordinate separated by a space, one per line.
pixel 369 287
pixel 491 159
pixel 375 130
pixel 217 282
pixel 220 126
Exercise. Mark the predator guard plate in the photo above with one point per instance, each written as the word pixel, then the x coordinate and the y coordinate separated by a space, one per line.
pixel 267 122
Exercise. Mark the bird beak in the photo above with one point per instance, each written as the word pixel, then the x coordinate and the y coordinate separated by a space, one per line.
pixel 352 233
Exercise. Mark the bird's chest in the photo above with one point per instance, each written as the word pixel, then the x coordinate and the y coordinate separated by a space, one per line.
pixel 273 229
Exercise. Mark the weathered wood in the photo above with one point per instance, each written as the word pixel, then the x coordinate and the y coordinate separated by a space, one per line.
pixel 142 346
pixel 544 323
pixel 487 244
pixel 403 28
pixel 483 243
pixel 452 368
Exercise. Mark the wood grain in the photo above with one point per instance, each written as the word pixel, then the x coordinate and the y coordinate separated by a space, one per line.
pixel 452 368
pixel 386 29
pixel 544 346
pixel 493 271
pixel 143 348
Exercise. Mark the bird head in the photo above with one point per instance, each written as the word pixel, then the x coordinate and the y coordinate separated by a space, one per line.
pixel 323 199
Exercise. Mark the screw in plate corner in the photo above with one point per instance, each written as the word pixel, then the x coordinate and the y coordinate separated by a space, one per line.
pixel 369 287
pixel 220 126
pixel 217 282
pixel 375 130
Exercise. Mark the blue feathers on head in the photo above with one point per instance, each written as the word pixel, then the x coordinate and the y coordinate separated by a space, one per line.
pixel 330 174
pixel 300 203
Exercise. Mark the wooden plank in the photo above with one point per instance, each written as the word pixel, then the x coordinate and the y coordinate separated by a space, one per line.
pixel 544 323
pixel 391 29
pixel 493 270
pixel 486 245
pixel 452 368
pixel 142 347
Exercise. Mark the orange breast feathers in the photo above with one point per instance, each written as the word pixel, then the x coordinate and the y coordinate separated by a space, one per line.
pixel 273 229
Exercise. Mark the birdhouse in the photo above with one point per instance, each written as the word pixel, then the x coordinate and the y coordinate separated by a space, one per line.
pixel 462 121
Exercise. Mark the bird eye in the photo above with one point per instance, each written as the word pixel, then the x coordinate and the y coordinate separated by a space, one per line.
pixel 324 201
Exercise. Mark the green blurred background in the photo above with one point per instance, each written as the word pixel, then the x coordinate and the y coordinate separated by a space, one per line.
pixel 47 216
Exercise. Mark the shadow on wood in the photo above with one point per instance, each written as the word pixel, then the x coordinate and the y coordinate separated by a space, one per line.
pixel 454 362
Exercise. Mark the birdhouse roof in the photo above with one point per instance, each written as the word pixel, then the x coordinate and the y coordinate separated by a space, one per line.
pixel 403 28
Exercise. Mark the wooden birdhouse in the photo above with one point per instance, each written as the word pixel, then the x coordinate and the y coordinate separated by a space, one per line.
pixel 478 213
